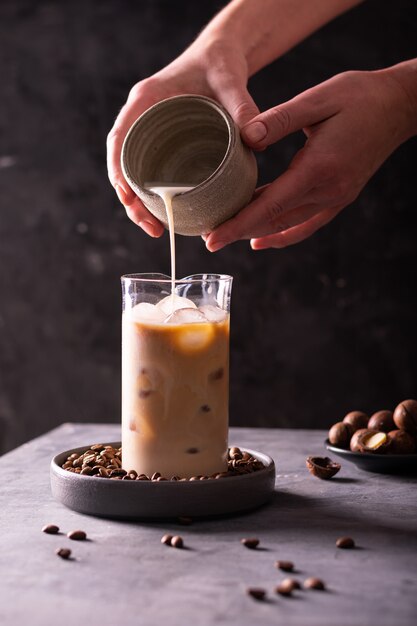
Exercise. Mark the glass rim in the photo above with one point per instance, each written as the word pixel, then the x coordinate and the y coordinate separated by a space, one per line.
pixel 149 277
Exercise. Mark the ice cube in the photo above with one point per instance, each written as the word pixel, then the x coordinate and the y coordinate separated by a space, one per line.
pixel 213 313
pixel 193 337
pixel 186 316
pixel 147 312
pixel 172 303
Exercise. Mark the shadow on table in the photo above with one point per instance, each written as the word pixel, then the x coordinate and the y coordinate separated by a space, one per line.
pixel 303 516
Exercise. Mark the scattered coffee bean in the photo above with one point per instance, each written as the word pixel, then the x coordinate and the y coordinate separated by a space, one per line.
pixel 345 542
pixel 77 535
pixel 251 542
pixel 64 553
pixel 256 592
pixel 285 566
pixel 177 542
pixel 314 583
pixel 287 586
pixel 50 529
pixel 166 539
pixel 205 408
pixel 155 476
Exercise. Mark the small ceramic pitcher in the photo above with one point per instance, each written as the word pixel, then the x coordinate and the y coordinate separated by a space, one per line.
pixel 192 141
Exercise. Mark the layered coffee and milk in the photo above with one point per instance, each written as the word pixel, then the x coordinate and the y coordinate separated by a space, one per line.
pixel 175 387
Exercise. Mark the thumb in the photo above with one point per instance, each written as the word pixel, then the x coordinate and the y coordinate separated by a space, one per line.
pixel 232 93
pixel 240 105
pixel 302 111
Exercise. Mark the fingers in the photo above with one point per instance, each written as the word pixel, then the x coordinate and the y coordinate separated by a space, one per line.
pixel 304 110
pixel 136 104
pixel 297 233
pixel 145 220
pixel 269 212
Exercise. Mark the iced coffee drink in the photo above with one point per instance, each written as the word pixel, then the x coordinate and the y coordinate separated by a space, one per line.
pixel 175 375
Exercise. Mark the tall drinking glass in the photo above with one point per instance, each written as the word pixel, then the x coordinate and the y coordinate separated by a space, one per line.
pixel 175 374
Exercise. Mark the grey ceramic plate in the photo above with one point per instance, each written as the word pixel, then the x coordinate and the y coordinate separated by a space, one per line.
pixel 378 463
pixel 156 500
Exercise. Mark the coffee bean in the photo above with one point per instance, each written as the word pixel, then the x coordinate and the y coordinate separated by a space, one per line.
pixel 77 535
pixel 235 453
pixel 285 566
pixel 314 583
pixel 177 542
pixel 345 542
pixel 104 461
pixel 251 542
pixel 160 478
pixel 205 408
pixel 50 529
pixel 118 472
pixel 287 586
pixel 166 539
pixel 256 592
pixel 64 553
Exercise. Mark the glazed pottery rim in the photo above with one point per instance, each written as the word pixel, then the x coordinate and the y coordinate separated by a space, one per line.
pixel 58 470
pixel 227 155
pixel 149 277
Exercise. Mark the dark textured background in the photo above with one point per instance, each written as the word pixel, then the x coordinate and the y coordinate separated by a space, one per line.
pixel 317 329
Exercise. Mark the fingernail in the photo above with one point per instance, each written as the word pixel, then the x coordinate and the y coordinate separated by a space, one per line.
pixel 121 194
pixel 149 228
pixel 255 132
pixel 213 247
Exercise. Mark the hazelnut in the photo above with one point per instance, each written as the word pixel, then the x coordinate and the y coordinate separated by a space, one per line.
pixel 400 442
pixel 405 416
pixel 382 420
pixel 371 441
pixel 322 467
pixel 354 442
pixel 356 419
pixel 340 434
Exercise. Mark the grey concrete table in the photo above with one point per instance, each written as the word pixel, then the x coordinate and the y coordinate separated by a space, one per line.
pixel 125 576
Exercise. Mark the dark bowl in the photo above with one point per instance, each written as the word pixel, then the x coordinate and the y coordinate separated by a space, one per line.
pixel 378 463
pixel 121 499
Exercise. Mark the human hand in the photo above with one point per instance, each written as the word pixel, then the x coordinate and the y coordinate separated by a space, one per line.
pixel 211 67
pixel 353 122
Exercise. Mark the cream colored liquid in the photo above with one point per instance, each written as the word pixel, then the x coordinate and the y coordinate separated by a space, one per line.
pixel 167 192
